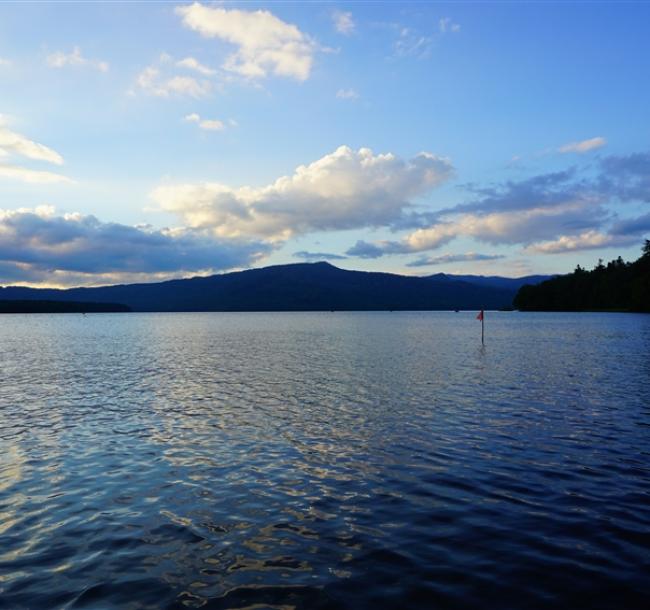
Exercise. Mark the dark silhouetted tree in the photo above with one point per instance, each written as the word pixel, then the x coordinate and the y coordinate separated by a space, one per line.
pixel 616 286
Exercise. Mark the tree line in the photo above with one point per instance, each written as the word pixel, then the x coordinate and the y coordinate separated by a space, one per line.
pixel 618 285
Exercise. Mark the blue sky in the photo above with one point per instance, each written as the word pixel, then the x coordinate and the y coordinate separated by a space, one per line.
pixel 141 141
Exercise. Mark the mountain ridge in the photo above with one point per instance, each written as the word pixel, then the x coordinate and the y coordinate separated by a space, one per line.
pixel 318 286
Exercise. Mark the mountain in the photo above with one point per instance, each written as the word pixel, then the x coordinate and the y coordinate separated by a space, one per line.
pixel 297 287
pixel 616 286
pixel 495 281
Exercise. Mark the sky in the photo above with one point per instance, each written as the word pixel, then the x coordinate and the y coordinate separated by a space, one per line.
pixel 141 141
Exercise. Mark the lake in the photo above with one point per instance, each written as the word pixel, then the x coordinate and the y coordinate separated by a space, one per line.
pixel 325 460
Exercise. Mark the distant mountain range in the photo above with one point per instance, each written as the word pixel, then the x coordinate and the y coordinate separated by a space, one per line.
pixel 495 281
pixel 297 287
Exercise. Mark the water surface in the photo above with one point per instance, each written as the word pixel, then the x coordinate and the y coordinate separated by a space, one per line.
pixel 324 460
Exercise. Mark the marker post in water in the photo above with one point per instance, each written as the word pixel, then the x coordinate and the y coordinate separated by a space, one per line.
pixel 481 317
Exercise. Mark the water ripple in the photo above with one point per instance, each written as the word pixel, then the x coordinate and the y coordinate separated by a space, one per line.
pixel 324 461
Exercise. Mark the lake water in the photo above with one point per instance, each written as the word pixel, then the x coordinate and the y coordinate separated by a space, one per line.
pixel 325 460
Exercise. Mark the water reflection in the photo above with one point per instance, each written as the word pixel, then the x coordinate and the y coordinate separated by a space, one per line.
pixel 323 460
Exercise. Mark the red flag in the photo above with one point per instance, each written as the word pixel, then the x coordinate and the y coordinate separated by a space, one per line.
pixel 480 316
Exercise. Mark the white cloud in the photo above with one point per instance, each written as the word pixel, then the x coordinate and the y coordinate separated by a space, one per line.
pixel 588 240
pixel 61 60
pixel 207 124
pixel 347 94
pixel 343 22
pixel 153 81
pixel 515 226
pixel 31 175
pixel 265 44
pixel 509 227
pixel 211 125
pixel 583 146
pixel 5 63
pixel 342 190
pixel 193 64
pixel 446 25
pixel 15 143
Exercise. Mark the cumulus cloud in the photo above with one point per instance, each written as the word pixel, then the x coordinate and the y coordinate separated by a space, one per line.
pixel 446 25
pixel 36 242
pixel 583 146
pixel 15 144
pixel 206 124
pixel 318 256
pixel 347 94
pixel 343 190
pixel 264 43
pixel 425 261
pixel 59 59
pixel 343 22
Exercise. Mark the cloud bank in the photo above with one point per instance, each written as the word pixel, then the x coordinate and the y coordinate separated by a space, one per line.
pixel 39 245
pixel 546 214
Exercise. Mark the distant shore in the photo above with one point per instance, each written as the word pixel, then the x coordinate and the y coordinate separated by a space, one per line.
pixel 27 306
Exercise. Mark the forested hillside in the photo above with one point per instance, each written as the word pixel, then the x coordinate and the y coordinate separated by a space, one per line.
pixel 616 286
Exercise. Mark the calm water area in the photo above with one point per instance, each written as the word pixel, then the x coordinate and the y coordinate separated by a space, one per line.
pixel 325 460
